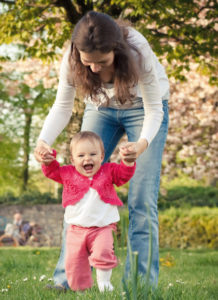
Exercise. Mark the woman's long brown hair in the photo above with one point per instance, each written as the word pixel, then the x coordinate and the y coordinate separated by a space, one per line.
pixel 99 32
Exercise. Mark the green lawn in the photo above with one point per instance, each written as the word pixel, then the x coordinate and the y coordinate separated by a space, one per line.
pixel 184 274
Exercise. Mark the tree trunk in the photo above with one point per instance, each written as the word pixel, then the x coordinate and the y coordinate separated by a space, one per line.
pixel 26 150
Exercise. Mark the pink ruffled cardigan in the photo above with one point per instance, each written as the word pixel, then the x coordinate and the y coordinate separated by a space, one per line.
pixel 75 185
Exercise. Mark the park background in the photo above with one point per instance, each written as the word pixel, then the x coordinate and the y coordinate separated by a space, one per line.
pixel 183 34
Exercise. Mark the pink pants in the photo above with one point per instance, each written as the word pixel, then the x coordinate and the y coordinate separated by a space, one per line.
pixel 87 247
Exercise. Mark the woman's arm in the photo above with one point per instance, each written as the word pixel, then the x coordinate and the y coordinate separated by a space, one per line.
pixel 151 73
pixel 150 90
pixel 61 110
pixel 58 116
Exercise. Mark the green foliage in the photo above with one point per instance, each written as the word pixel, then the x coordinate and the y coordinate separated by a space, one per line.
pixel 184 191
pixel 190 228
pixel 195 227
pixel 28 197
pixel 181 30
pixel 23 96
pixel 9 164
pixel 21 105
pixel 180 192
pixel 186 196
pixel 39 27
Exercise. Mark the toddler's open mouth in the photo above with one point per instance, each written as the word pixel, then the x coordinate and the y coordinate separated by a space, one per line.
pixel 88 167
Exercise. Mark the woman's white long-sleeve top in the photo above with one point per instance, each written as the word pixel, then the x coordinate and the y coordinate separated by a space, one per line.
pixel 153 87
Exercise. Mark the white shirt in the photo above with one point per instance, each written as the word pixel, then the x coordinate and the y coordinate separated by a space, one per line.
pixel 153 87
pixel 91 211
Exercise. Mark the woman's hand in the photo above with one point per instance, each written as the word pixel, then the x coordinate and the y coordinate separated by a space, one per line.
pixel 43 153
pixel 131 150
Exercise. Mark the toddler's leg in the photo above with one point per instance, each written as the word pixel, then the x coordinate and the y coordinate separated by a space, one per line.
pixel 77 266
pixel 103 280
pixel 102 256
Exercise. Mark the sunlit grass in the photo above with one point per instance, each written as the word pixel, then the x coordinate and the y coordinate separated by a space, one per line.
pixel 184 274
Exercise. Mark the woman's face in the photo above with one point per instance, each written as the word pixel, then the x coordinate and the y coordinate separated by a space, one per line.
pixel 97 61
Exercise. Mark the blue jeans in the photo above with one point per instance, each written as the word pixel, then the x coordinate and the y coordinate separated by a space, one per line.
pixel 110 124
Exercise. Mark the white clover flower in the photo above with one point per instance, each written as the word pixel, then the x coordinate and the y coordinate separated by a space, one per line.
pixel 180 281
pixel 25 279
pixel 4 290
pixel 34 277
pixel 42 277
pixel 50 279
pixel 170 285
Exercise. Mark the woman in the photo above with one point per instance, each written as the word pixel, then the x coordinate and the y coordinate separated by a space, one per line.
pixel 126 91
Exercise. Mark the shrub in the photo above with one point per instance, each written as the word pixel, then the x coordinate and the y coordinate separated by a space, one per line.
pixel 189 196
pixel 189 228
pixel 180 228
pixel 28 197
pixel 181 191
pixel 8 198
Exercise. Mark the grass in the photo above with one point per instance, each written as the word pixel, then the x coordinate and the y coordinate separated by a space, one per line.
pixel 184 274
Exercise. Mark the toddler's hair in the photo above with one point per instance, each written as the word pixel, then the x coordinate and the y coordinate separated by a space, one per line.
pixel 86 135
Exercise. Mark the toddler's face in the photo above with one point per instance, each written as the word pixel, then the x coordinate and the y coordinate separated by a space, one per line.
pixel 87 157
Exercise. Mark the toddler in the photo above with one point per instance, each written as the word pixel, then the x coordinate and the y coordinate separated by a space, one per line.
pixel 90 203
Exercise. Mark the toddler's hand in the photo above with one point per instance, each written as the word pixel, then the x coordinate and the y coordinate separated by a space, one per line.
pixel 47 161
pixel 43 153
pixel 128 154
pixel 131 150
